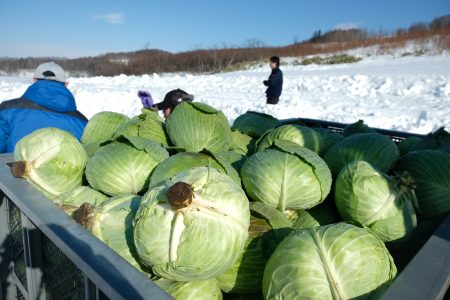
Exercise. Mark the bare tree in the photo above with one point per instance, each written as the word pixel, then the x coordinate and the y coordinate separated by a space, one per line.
pixel 440 23
pixel 418 27
pixel 146 46
pixel 254 43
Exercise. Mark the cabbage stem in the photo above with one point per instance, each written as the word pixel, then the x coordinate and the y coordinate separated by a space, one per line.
pixel 19 169
pixel 180 195
pixel 84 215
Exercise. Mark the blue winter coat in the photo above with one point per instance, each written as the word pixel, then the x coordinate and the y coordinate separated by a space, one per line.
pixel 45 104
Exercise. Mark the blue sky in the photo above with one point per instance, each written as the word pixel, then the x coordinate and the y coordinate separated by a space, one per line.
pixel 85 28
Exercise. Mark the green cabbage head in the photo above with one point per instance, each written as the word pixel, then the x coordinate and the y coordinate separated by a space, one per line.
pixel 195 126
pixel 148 125
pixel 297 134
pixel 254 123
pixel 242 143
pixel 51 159
pixel 373 199
pixel 102 127
pixel 407 144
pixel 192 227
pixel 286 176
pixel 357 127
pixel 329 137
pixel 431 172
pixel 338 261
pixel 112 223
pixel 124 167
pixel 377 149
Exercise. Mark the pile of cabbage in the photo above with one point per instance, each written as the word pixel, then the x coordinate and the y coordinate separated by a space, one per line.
pixel 264 208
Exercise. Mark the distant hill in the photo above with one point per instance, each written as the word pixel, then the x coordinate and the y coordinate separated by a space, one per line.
pixel 220 59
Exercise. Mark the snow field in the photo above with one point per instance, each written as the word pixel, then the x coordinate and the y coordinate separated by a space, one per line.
pixel 400 93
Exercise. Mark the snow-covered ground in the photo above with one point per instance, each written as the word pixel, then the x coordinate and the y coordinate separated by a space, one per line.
pixel 410 93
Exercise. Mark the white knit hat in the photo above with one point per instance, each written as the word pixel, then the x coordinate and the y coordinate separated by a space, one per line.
pixel 50 71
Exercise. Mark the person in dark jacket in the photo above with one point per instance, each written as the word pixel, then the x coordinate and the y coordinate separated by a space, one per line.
pixel 46 103
pixel 275 81
pixel 171 99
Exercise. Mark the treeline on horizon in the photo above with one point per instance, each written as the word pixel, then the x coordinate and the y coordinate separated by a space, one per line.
pixel 226 58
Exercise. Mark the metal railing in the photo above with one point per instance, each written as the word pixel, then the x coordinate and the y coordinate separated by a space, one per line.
pixel 45 254
pixel 427 275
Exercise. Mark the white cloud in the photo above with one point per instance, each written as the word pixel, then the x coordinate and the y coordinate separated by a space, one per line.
pixel 113 18
pixel 347 26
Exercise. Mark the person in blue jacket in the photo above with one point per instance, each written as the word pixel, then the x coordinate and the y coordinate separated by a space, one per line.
pixel 275 82
pixel 46 103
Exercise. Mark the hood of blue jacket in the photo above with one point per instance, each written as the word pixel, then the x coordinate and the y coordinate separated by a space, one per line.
pixel 52 95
